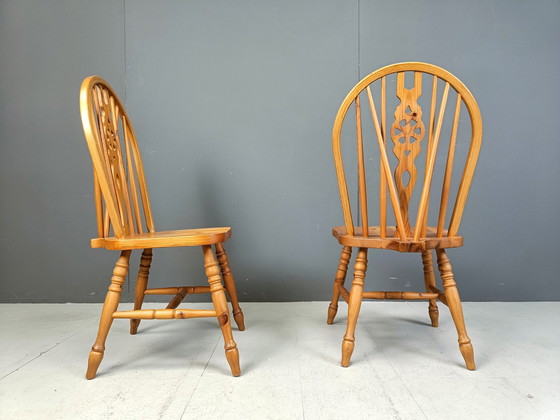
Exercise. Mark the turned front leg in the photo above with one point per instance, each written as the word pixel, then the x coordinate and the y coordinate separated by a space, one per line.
pixel 455 307
pixel 339 281
pixel 230 286
pixel 109 307
pixel 221 308
pixel 141 285
pixel 430 281
pixel 354 304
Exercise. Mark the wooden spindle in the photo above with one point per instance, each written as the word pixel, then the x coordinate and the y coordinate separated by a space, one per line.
pixel 221 308
pixel 354 304
pixel 429 147
pixel 187 290
pixel 109 307
pixel 430 283
pixel 472 157
pixel 422 207
pixel 229 284
pixel 448 169
pixel 106 224
pixel 361 170
pixel 110 149
pixel 387 169
pixel 455 307
pixel 141 284
pixel 165 314
pixel 382 180
pixel 105 178
pixel 121 178
pixel 400 295
pixel 142 182
pixel 132 178
pixel 339 281
pixel 98 205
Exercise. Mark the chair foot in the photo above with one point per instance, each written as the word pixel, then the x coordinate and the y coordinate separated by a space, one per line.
pixel 239 319
pixel 354 304
pixel 434 316
pixel 331 314
pixel 134 323
pixel 94 360
pixel 232 356
pixel 221 308
pixel 347 350
pixel 455 307
pixel 468 354
pixel 109 307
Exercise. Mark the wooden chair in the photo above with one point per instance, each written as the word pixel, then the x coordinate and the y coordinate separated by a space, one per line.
pixel 124 223
pixel 410 131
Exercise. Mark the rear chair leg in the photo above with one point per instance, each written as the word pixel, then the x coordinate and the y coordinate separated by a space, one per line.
pixel 339 280
pixel 109 307
pixel 354 304
pixel 141 285
pixel 454 303
pixel 430 280
pixel 230 286
pixel 221 308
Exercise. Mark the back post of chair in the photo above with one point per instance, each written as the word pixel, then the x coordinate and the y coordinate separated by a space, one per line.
pixel 120 190
pixel 407 132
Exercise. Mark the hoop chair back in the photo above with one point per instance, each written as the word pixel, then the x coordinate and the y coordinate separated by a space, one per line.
pixel 416 127
pixel 121 194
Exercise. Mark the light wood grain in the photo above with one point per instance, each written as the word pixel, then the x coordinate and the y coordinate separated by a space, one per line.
pixel 221 308
pixel 374 240
pixel 125 222
pixel 354 304
pixel 382 179
pixel 141 285
pixel 165 314
pixel 165 239
pixel 399 295
pixel 386 169
pixel 229 285
pixel 408 128
pixel 109 308
pixel 430 282
pixel 339 280
pixel 361 169
pixel 448 169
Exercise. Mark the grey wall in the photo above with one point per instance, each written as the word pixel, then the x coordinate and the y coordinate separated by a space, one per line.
pixel 233 103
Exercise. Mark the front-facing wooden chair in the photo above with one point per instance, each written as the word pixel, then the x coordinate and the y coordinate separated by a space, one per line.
pixel 124 223
pixel 412 130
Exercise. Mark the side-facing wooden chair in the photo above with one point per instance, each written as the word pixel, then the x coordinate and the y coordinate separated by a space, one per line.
pixel 410 131
pixel 124 223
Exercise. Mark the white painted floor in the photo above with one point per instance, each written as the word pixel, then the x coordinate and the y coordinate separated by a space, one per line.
pixel 401 368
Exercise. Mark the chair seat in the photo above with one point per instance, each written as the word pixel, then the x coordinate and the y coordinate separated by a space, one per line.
pixel 165 239
pixel 394 242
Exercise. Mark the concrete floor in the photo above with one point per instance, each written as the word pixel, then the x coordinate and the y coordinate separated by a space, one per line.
pixel 401 368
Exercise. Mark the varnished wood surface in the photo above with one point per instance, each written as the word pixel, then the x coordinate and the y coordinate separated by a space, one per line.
pixel 123 208
pixel 165 239
pixel 339 283
pixel 412 130
pixel 406 134
pixel 374 239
